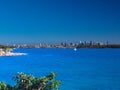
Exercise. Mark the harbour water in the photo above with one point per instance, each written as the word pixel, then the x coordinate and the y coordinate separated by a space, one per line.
pixel 83 69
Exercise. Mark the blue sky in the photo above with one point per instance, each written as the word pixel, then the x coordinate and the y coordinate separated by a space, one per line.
pixel 34 21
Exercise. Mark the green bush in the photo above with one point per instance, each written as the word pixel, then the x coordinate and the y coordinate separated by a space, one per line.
pixel 3 86
pixel 29 82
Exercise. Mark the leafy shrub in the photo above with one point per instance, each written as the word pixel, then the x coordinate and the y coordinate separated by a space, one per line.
pixel 29 82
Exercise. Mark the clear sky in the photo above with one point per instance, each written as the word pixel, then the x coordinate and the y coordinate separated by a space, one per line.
pixel 27 21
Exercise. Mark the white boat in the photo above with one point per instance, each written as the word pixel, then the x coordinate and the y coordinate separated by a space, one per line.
pixel 75 49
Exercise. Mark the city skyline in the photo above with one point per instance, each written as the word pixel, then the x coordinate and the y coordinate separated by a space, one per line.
pixel 28 21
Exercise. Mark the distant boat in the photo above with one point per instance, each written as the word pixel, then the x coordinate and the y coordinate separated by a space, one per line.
pixel 75 49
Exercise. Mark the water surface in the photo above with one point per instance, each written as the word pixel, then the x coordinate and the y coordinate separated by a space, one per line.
pixel 84 69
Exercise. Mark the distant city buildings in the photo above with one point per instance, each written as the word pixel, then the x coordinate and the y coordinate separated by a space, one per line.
pixel 80 44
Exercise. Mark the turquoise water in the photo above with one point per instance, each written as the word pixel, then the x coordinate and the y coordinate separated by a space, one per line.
pixel 84 69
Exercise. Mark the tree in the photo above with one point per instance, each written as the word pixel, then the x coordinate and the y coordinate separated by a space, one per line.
pixel 29 82
pixel 3 86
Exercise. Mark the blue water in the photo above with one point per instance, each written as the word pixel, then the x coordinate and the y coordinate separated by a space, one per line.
pixel 84 69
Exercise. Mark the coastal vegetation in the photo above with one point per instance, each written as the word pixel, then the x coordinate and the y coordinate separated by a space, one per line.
pixel 4 47
pixel 29 82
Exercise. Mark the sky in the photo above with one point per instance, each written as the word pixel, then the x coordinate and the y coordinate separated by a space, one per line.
pixel 34 21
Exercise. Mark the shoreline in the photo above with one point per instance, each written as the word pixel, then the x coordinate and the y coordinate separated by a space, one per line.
pixel 12 54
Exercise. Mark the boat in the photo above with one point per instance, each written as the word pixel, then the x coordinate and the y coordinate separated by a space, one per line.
pixel 75 49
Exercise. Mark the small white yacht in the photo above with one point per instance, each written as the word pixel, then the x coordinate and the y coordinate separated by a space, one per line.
pixel 75 49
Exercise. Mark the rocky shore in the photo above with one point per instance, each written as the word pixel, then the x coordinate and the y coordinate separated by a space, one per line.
pixel 3 53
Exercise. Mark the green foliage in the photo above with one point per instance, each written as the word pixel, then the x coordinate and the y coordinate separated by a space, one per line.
pixel 29 82
pixel 8 49
pixel 4 47
pixel 3 86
